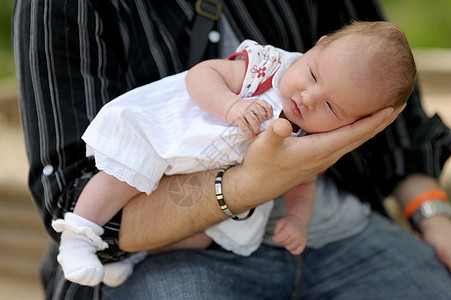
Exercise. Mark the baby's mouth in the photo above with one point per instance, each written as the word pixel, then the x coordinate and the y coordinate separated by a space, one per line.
pixel 295 109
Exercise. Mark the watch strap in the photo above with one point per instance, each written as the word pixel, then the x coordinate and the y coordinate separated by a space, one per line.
pixel 429 209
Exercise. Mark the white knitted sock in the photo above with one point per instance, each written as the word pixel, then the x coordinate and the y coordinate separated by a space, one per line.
pixel 116 273
pixel 80 240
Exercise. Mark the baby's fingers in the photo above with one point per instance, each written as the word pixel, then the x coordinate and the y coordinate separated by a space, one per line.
pixel 254 121
pixel 263 109
pixel 295 249
pixel 244 126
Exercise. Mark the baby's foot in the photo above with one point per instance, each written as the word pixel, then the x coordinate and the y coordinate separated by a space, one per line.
pixel 116 273
pixel 79 243
pixel 79 261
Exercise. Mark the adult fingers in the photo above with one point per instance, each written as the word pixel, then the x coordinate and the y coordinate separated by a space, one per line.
pixel 343 140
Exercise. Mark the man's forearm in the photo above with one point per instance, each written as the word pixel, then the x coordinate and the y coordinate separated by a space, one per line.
pixel 181 206
pixel 184 205
pixel 413 186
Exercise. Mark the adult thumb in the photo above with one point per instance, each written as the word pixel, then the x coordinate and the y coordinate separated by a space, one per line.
pixel 276 132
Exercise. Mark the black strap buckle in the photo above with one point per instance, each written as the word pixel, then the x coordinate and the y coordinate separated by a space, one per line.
pixel 207 14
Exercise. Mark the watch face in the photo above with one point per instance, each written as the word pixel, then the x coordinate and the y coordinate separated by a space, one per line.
pixel 429 209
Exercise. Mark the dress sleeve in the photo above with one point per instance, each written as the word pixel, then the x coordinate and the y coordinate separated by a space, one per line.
pixel 262 63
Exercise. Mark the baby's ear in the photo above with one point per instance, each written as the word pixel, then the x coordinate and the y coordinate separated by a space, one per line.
pixel 321 38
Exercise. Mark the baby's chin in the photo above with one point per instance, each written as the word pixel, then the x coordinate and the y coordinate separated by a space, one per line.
pixel 312 129
pixel 302 125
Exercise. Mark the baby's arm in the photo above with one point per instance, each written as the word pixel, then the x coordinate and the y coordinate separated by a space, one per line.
pixel 291 230
pixel 215 84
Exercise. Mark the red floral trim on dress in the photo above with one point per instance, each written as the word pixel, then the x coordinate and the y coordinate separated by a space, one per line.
pixel 262 62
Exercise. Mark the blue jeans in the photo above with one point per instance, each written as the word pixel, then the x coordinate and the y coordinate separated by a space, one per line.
pixel 382 262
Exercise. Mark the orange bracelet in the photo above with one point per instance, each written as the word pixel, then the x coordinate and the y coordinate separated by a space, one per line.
pixel 412 206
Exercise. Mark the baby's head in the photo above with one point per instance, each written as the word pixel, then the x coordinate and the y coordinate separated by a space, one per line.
pixel 386 53
pixel 347 75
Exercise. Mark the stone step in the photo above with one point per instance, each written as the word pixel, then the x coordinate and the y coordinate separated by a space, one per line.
pixel 23 243
pixel 18 287
pixel 23 267
pixel 19 215
pixel 23 240
pixel 21 250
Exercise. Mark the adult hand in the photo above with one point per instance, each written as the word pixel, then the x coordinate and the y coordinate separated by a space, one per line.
pixel 436 230
pixel 437 233
pixel 275 162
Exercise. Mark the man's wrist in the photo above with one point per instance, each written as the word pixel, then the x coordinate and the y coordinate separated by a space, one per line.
pixel 433 225
pixel 431 208
pixel 221 201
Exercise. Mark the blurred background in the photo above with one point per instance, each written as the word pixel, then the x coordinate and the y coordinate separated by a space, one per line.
pixel 427 25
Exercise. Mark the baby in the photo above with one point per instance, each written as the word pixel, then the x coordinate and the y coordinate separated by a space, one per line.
pixel 205 118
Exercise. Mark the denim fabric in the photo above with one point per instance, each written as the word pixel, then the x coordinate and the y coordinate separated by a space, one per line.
pixel 210 274
pixel 381 262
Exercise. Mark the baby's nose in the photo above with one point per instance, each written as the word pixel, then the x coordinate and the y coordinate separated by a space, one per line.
pixel 308 102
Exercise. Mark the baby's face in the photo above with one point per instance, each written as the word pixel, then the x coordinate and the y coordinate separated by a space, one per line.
pixel 328 88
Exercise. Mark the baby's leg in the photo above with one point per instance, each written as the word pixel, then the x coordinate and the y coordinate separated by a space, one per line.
pixel 100 200
pixel 103 197
pixel 291 230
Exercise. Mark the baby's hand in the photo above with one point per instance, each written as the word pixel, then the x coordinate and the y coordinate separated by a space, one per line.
pixel 249 114
pixel 292 233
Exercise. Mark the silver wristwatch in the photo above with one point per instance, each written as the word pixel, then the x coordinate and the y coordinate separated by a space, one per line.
pixel 429 209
